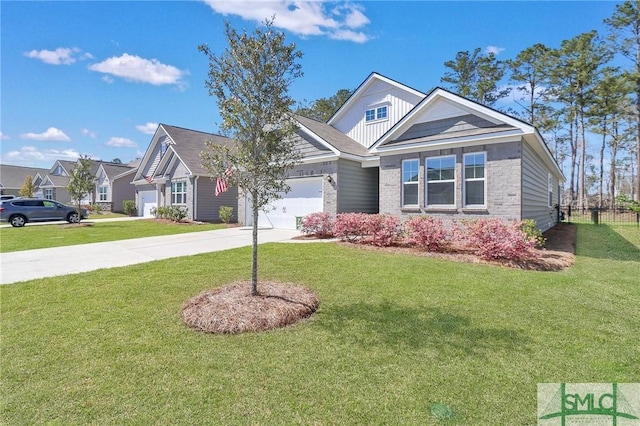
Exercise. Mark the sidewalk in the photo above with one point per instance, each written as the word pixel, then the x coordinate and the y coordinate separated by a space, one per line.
pixel 42 263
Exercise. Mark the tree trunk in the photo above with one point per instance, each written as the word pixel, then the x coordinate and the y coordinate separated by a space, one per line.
pixel 254 252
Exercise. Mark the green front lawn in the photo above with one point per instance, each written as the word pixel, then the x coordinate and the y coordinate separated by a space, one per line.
pixel 90 231
pixel 394 336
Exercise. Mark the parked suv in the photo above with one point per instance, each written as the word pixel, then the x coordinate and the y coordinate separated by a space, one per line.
pixel 22 210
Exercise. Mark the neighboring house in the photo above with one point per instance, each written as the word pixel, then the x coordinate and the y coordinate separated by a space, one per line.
pixel 389 149
pixel 113 186
pixel 170 174
pixel 54 184
pixel 13 177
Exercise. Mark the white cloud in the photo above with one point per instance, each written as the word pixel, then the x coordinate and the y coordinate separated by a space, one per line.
pixel 4 137
pixel 148 128
pixel 137 69
pixel 494 49
pixel 90 133
pixel 28 155
pixel 60 56
pixel 51 134
pixel 304 18
pixel 121 142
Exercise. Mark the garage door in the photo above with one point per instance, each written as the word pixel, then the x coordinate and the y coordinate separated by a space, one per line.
pixel 147 202
pixel 305 197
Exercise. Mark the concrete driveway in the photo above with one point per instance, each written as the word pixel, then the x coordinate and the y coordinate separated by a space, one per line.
pixel 42 263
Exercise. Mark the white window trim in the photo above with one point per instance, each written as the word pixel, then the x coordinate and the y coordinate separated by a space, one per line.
pixel 173 194
pixel 106 193
pixel 402 183
pixel 464 181
pixel 426 184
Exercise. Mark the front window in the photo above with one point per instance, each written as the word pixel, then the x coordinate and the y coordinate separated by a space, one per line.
pixel 410 183
pixel 48 194
pixel 381 113
pixel 370 115
pixel 102 193
pixel 179 192
pixel 441 181
pixel 474 179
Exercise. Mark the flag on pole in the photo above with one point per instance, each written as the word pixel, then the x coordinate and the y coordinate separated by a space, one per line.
pixel 148 179
pixel 222 183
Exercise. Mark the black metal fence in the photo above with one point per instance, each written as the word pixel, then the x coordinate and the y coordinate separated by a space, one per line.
pixel 597 215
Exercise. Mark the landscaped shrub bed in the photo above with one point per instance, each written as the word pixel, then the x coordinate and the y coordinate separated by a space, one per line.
pixel 487 238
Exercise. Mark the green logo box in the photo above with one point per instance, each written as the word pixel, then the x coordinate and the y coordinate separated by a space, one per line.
pixel 592 404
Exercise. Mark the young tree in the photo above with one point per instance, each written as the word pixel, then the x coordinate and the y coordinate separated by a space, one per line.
pixel 251 79
pixel 624 33
pixel 81 182
pixel 28 188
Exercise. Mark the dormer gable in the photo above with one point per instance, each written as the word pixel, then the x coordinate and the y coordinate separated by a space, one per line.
pixel 374 108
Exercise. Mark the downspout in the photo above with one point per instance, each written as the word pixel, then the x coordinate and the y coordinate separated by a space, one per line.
pixel 195 197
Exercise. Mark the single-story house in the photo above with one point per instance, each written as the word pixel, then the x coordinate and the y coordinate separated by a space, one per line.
pixel 113 186
pixel 54 184
pixel 388 149
pixel 170 174
pixel 13 177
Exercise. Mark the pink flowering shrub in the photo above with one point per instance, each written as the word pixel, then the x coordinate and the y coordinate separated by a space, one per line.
pixel 495 239
pixel 427 233
pixel 350 227
pixel 382 230
pixel 318 224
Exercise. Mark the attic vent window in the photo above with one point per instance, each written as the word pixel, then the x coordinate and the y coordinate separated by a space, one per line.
pixel 373 114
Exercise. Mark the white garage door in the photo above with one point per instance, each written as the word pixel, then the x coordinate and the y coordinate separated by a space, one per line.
pixel 305 197
pixel 147 202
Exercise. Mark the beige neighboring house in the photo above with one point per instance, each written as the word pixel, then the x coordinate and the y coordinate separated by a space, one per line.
pixel 13 177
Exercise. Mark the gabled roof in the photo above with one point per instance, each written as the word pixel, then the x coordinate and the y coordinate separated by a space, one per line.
pixel 54 181
pixel 66 165
pixel 444 119
pixel 331 137
pixel 373 77
pixel 14 176
pixel 113 170
pixel 183 145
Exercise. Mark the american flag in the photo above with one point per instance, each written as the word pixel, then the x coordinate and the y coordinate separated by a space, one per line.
pixel 222 183
pixel 148 178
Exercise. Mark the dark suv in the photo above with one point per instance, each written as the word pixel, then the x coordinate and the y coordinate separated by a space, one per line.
pixel 22 210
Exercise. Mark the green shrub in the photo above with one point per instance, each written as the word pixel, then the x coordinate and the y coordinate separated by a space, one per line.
pixel 95 208
pixel 176 213
pixel 528 226
pixel 225 213
pixel 129 207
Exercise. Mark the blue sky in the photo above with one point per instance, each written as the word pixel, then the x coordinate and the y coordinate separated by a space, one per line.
pixel 95 78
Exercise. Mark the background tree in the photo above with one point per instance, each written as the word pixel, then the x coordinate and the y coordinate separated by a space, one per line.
pixel 322 109
pixel 251 79
pixel 530 72
pixel 81 182
pixel 624 27
pixel 476 76
pixel 116 161
pixel 28 188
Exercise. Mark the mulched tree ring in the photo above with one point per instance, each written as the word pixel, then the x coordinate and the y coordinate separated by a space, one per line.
pixel 231 309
